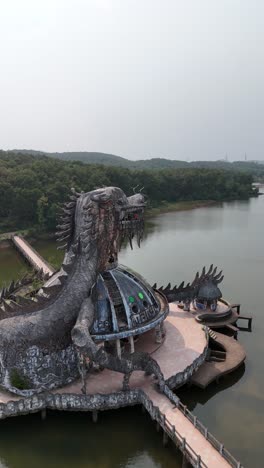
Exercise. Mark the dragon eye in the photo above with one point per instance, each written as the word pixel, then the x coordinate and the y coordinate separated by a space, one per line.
pixel 120 201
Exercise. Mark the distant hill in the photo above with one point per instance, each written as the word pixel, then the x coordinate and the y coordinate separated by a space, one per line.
pixel 83 156
pixel 109 159
pixel 256 168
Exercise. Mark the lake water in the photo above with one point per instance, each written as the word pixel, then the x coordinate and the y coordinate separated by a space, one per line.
pixel 176 246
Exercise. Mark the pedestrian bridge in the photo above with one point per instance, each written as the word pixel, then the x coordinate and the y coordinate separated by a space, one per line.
pixel 32 257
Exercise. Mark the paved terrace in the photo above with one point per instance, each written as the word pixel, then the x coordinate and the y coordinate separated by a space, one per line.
pixel 33 257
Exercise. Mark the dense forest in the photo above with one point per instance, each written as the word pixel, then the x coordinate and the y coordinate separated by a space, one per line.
pixel 254 168
pixel 32 187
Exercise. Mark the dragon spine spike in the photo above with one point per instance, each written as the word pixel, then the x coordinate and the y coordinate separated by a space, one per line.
pixel 65 219
pixel 63 238
pixel 154 286
pixel 196 279
pixel 11 286
pixel 216 277
pixel 64 226
pixel 74 192
pixel 62 233
pixel 168 287
pixel 61 247
pixel 67 211
pixel 70 205
pixel 218 281
pixel 214 271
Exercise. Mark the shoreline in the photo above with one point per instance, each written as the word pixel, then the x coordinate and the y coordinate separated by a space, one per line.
pixel 165 207
pixel 180 206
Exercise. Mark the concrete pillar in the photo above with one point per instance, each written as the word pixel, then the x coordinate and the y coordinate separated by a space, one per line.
pixel 185 463
pixel 118 348
pixel 158 334
pixel 165 439
pixel 132 345
pixel 95 416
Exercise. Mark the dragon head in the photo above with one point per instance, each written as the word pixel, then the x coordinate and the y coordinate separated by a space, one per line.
pixel 100 222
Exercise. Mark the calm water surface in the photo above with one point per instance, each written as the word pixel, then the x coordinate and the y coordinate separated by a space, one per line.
pixel 176 246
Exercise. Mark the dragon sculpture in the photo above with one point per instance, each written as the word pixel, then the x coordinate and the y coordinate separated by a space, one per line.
pixel 44 340
pixel 204 286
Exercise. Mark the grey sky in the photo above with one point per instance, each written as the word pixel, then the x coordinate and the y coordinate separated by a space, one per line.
pixel 138 78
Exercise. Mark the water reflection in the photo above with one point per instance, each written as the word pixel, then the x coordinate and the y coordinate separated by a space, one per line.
pixel 12 266
pixel 124 438
pixel 193 396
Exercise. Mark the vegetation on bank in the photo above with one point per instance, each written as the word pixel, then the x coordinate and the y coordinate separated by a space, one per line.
pixel 32 188
pixel 255 168
pixel 166 207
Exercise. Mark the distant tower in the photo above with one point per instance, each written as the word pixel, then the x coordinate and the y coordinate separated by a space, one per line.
pixel 226 158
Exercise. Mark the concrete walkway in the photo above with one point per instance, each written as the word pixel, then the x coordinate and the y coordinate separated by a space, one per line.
pixel 212 370
pixel 209 455
pixel 32 256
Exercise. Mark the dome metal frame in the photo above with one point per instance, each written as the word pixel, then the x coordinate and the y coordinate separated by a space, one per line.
pixel 126 305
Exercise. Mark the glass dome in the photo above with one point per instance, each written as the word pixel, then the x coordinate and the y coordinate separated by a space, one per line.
pixel 126 305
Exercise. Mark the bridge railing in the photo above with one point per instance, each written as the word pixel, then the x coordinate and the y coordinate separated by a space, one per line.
pixel 201 428
pixel 180 441
pixel 208 436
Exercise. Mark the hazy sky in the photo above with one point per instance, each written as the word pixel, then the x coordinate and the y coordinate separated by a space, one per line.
pixel 138 78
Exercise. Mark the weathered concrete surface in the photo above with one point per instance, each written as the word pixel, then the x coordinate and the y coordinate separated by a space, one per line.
pixel 181 354
pixel 183 346
pixel 183 350
pixel 144 395
pixel 210 371
pixel 36 363
pixel 185 342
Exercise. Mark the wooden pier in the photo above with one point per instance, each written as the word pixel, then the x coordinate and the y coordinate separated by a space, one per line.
pixel 32 257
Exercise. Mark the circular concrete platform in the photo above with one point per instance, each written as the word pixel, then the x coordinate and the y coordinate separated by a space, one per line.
pixel 182 352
